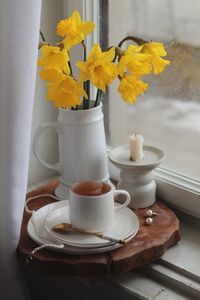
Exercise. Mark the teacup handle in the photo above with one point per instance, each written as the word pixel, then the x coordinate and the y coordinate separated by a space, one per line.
pixel 38 133
pixel 128 198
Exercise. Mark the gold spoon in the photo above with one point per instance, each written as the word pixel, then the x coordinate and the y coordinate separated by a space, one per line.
pixel 64 227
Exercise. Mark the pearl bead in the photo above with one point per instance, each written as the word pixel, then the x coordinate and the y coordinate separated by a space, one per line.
pixel 149 213
pixel 149 221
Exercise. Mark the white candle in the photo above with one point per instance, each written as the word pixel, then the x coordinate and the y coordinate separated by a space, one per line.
pixel 136 147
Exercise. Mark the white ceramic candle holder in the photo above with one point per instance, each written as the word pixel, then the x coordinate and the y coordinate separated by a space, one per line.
pixel 136 177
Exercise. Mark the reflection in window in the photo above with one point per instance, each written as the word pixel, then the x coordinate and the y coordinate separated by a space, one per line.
pixel 168 115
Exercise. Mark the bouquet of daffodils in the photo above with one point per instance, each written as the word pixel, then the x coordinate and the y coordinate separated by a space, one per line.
pixel 99 68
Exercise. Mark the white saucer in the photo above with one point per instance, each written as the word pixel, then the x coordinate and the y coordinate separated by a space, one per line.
pixel 39 235
pixel 126 225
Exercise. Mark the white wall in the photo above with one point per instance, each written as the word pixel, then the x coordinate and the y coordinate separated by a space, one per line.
pixel 52 12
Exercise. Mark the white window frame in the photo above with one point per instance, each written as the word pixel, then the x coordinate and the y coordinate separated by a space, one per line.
pixel 89 11
pixel 177 190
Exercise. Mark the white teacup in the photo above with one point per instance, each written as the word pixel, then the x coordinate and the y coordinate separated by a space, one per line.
pixel 92 205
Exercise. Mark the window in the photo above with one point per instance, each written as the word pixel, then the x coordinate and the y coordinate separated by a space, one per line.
pixel 168 115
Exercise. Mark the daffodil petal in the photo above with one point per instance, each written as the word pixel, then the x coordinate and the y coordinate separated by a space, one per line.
pixel 109 55
pixel 86 27
pixel 130 87
pixel 98 68
pixel 76 18
pixel 54 57
pixel 74 30
pixel 134 48
pixel 156 50
pixel 82 65
pixel 66 93
pixel 63 27
pixel 157 47
pixel 95 53
pixel 159 65
pixel 83 77
pixel 51 74
pixel 135 62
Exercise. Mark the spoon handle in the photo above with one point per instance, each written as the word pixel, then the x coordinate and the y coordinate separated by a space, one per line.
pixel 105 237
pixel 63 227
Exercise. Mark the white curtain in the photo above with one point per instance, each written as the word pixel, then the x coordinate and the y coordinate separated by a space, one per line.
pixel 19 34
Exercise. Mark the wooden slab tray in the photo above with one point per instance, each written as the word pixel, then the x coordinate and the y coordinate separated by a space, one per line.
pixel 150 243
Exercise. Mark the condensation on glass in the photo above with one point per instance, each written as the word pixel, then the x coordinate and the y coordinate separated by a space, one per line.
pixel 168 115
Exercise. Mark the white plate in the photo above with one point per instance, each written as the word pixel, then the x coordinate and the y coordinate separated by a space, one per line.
pixel 126 225
pixel 39 235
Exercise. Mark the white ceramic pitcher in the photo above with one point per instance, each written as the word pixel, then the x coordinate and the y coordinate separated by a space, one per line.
pixel 82 147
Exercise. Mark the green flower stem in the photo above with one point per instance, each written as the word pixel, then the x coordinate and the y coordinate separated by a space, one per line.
pixel 98 97
pixel 70 67
pixel 134 39
pixel 86 102
pixel 42 36
pixel 88 93
pixel 86 85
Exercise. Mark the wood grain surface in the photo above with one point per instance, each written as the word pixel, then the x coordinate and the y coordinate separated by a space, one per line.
pixel 149 244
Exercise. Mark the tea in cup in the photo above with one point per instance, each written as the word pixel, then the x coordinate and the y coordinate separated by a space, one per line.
pixel 91 205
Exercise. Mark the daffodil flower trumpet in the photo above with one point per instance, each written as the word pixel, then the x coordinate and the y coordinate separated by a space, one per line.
pixel 99 68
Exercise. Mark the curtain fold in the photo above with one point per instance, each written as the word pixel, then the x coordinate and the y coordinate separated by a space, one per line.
pixel 19 35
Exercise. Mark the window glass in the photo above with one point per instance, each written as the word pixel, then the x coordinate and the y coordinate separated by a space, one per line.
pixel 168 114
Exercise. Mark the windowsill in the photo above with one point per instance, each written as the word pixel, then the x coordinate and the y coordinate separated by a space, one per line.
pixel 176 275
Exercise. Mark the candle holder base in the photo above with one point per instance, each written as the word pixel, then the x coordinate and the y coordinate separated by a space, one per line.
pixel 136 177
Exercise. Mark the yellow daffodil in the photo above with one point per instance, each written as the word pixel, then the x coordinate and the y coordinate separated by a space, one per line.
pixel 51 74
pixel 74 30
pixel 98 68
pixel 65 92
pixel 156 50
pixel 54 57
pixel 130 87
pixel 137 63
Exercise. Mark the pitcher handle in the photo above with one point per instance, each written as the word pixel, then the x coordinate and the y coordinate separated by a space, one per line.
pixel 39 131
